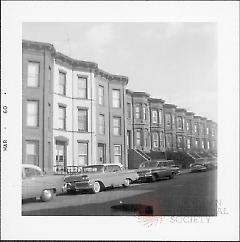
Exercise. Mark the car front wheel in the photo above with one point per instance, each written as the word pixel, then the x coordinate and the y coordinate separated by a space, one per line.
pixel 126 183
pixel 47 195
pixel 96 187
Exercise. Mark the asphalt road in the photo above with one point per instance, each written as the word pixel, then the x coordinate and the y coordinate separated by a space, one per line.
pixel 192 194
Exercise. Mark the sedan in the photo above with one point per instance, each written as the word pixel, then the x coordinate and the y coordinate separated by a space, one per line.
pixel 198 168
pixel 35 184
pixel 98 177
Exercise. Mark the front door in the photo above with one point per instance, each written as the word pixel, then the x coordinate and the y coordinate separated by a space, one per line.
pixel 101 154
pixel 60 154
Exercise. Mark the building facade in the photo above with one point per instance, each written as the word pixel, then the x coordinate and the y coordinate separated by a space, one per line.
pixel 75 114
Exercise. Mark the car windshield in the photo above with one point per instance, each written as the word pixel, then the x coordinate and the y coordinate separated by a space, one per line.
pixel 92 169
pixel 149 164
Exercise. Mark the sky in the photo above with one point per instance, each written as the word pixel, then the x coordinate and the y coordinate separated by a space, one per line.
pixel 174 61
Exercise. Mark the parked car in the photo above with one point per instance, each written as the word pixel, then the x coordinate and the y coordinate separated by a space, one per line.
pixel 154 170
pixel 98 177
pixel 211 164
pixel 197 168
pixel 36 184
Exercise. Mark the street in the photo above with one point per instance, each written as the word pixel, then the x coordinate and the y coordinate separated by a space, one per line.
pixel 191 194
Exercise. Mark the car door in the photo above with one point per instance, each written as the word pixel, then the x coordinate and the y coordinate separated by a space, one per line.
pixel 162 170
pixel 30 186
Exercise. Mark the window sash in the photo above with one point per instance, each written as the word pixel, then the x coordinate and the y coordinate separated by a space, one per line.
pixel 82 153
pixel 154 116
pixel 155 138
pixel 137 111
pixel 82 87
pixel 32 152
pixel 32 113
pixel 138 138
pixel 33 74
pixel 101 124
pixel 168 119
pixel 101 95
pixel 62 83
pixel 82 119
pixel 62 117
pixel 129 110
pixel 116 126
pixel 116 98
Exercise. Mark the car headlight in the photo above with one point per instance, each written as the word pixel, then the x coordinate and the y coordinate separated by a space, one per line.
pixel 148 173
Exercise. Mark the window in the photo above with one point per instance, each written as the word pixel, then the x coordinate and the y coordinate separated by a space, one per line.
pixel 137 111
pixel 169 140
pixel 154 117
pixel 168 119
pixel 160 116
pixel 116 98
pixel 129 110
pixel 138 137
pixel 117 156
pixel 83 120
pixel 32 113
pixel 32 154
pixel 49 116
pixel 31 172
pixel 146 138
pixel 101 95
pixel 62 117
pixel 196 143
pixel 155 139
pixel 82 153
pixel 49 79
pixel 116 126
pixel 207 131
pixel 33 74
pixel 188 143
pixel 202 144
pixel 188 125
pixel 180 142
pixel 213 132
pixel 208 145
pixel 82 87
pixel 62 83
pixel 101 124
pixel 195 128
pixel 161 139
pixel 144 112
pixel 180 123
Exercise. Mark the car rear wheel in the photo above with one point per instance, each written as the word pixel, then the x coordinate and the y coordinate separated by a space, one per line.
pixel 47 195
pixel 126 183
pixel 171 176
pixel 96 187
pixel 153 178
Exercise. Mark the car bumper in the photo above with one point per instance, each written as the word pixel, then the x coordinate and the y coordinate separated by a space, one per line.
pixel 84 185
pixel 144 177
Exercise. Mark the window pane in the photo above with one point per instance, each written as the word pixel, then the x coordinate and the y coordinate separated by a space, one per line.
pixel 82 87
pixel 82 148
pixel 32 113
pixel 33 74
pixel 100 95
pixel 62 83
pixel 82 120
pixel 116 98
pixel 62 117
pixel 101 124
pixel 32 152
pixel 116 126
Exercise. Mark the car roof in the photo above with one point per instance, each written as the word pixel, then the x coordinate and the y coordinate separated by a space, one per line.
pixel 31 166
pixel 106 164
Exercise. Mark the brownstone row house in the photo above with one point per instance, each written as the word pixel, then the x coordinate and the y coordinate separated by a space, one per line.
pixel 76 114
